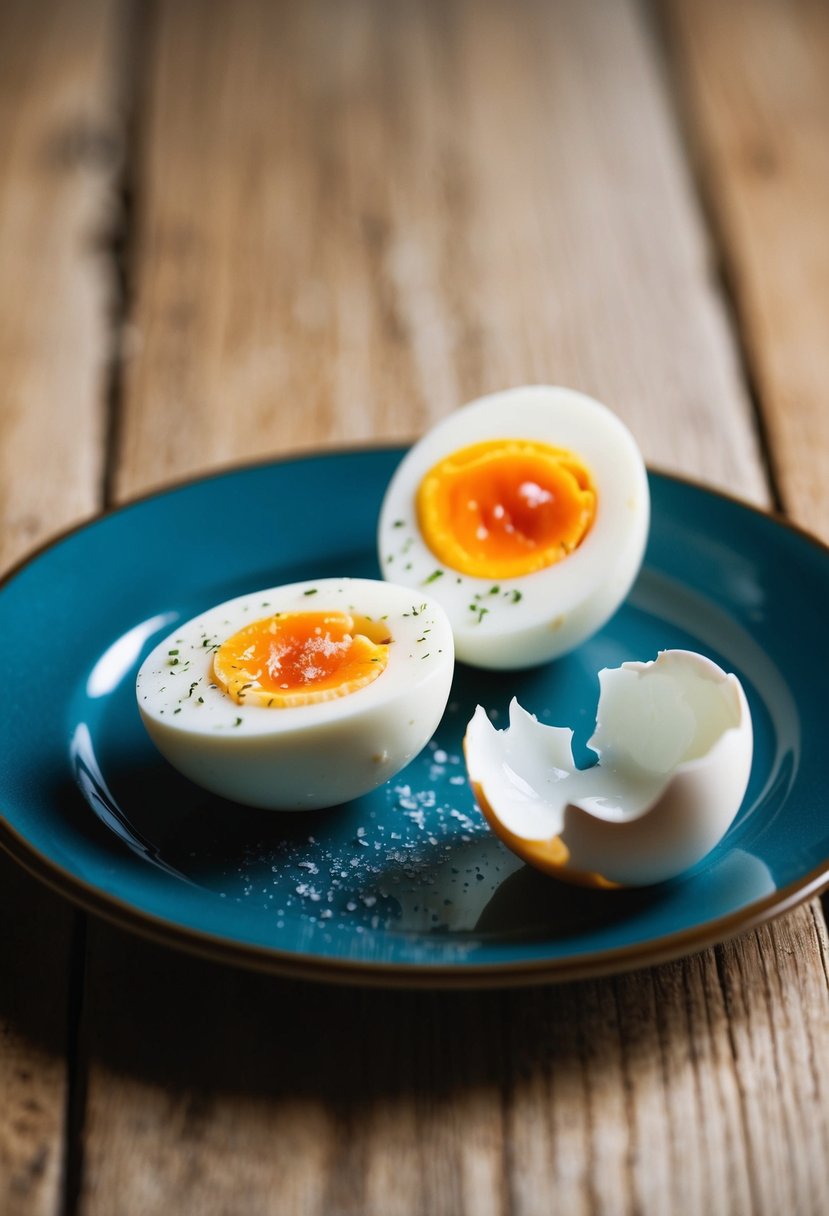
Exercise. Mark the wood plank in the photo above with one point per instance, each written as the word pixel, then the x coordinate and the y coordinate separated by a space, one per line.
pixel 331 252
pixel 351 219
pixel 681 1088
pixel 58 154
pixel 756 86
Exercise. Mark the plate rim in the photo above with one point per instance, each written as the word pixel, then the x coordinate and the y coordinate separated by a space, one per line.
pixel 300 965
pixel 312 966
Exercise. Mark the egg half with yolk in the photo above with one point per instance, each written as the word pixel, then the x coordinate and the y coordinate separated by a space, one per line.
pixel 526 515
pixel 300 696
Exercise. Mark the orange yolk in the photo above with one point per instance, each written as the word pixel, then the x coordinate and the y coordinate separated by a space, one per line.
pixel 301 658
pixel 506 507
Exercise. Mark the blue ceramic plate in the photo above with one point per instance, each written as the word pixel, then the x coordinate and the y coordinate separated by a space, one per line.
pixel 406 885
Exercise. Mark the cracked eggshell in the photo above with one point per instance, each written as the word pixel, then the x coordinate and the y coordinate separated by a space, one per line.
pixel 674 741
pixel 307 756
pixel 508 623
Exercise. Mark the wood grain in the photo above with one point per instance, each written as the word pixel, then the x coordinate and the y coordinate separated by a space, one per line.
pixel 756 85
pixel 58 155
pixel 353 218
pixel 682 1088
pixel 350 219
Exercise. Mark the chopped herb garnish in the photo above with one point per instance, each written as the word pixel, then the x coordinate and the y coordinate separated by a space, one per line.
pixel 516 596
pixel 399 523
pixel 200 701
pixel 238 722
pixel 436 574
pixel 172 652
pixel 494 590
pixel 311 591
pixel 177 711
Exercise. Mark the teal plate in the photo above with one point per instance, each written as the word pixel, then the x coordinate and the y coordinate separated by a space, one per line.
pixel 406 885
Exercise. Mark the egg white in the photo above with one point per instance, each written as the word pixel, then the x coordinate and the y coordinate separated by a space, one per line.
pixel 307 756
pixel 518 622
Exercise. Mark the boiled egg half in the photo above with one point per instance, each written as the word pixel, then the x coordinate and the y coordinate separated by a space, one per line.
pixel 526 515
pixel 674 741
pixel 301 696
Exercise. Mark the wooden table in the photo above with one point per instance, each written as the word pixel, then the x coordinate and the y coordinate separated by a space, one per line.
pixel 237 230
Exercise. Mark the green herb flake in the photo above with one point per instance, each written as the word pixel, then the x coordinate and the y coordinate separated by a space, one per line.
pixel 434 576
pixel 238 722
pixel 311 591
pixel 516 596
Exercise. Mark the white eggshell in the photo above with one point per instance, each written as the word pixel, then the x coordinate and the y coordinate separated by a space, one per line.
pixel 674 741
pixel 535 617
pixel 307 756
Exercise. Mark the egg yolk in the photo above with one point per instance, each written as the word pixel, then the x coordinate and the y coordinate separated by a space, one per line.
pixel 505 507
pixel 301 658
